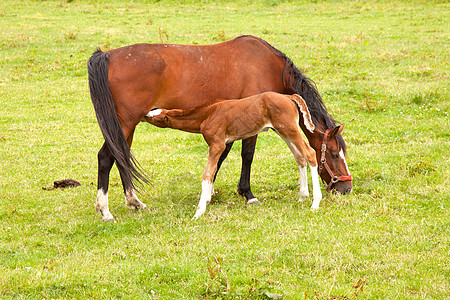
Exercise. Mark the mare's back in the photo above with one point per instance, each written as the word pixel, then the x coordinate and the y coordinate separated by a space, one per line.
pixel 183 76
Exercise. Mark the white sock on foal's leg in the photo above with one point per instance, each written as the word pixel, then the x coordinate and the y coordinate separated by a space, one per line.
pixel 317 193
pixel 207 188
pixel 304 193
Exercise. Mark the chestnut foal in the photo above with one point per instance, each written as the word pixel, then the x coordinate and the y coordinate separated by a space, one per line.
pixel 227 121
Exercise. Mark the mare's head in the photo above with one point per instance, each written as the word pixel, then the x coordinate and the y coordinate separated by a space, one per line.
pixel 331 160
pixel 329 145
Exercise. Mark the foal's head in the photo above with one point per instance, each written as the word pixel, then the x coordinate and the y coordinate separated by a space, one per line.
pixel 158 117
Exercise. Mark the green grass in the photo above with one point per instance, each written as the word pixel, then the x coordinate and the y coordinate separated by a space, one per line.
pixel 383 70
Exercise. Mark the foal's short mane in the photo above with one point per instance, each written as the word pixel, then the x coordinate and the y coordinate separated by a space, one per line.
pixel 306 88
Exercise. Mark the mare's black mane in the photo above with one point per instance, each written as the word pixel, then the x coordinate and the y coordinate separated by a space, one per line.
pixel 306 88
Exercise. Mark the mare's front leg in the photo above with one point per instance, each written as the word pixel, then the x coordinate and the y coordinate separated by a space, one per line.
pixel 247 153
pixel 215 150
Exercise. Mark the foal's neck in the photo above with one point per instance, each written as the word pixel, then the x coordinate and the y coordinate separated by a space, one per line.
pixel 311 136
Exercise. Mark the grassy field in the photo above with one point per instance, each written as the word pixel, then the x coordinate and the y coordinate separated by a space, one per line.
pixel 382 69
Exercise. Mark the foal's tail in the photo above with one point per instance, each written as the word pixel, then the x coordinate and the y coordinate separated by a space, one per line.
pixel 109 123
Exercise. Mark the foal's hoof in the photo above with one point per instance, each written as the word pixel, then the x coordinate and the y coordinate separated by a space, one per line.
pixel 197 215
pixel 253 201
pixel 303 197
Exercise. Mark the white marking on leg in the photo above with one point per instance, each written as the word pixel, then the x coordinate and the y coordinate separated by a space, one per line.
pixel 317 193
pixel 101 205
pixel 299 158
pixel 132 201
pixel 304 193
pixel 253 201
pixel 207 187
pixel 153 113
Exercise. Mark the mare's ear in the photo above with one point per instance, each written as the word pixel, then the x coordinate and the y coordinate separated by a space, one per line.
pixel 335 131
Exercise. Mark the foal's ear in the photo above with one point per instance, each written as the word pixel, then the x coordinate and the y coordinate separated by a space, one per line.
pixel 335 131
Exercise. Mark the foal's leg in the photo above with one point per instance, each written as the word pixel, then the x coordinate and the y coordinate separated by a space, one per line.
pixel 222 158
pixel 215 150
pixel 247 153
pixel 317 194
pixel 105 163
pixel 301 162
pixel 304 193
pixel 304 153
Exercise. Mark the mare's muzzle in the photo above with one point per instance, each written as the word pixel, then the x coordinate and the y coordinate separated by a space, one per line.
pixel 342 187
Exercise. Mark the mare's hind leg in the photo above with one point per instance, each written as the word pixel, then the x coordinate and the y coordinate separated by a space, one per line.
pixel 247 153
pixel 131 199
pixel 105 163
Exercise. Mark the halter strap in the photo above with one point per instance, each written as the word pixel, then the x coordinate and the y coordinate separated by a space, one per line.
pixel 324 164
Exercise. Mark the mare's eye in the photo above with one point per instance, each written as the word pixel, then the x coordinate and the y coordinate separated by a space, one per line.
pixel 334 155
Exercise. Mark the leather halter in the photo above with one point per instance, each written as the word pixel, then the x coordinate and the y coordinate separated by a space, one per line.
pixel 323 163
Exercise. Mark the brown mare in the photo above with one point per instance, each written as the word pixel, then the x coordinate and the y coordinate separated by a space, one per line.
pixel 128 82
pixel 227 121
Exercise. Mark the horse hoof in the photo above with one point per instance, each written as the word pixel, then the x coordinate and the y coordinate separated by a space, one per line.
pixel 302 198
pixel 198 213
pixel 108 219
pixel 136 205
pixel 253 201
pixel 196 216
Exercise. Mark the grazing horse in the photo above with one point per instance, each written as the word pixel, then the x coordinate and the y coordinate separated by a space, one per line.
pixel 227 121
pixel 128 82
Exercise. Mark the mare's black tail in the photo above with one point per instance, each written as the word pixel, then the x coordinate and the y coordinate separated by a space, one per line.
pixel 109 123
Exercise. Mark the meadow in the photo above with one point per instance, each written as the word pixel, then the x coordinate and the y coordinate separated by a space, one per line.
pixel 382 68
